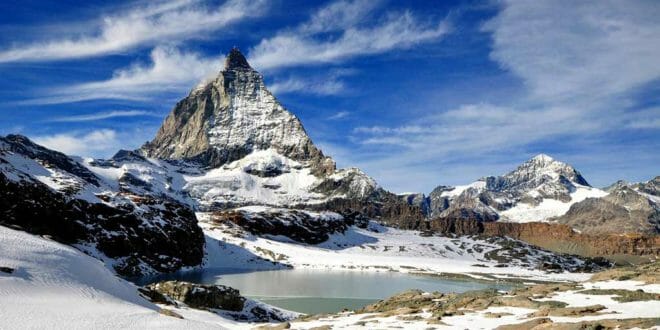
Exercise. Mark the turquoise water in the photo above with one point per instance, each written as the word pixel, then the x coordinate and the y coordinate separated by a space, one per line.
pixel 322 291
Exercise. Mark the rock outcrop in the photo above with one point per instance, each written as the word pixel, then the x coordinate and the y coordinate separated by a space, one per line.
pixel 558 238
pixel 300 226
pixel 220 299
pixel 201 296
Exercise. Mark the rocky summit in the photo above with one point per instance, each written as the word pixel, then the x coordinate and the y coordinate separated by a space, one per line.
pixel 229 117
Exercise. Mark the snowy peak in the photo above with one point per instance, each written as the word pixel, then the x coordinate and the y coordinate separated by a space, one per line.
pixel 537 189
pixel 229 118
pixel 235 60
pixel 543 168
pixel 542 159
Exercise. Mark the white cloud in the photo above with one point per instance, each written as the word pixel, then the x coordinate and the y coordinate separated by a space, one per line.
pixel 102 141
pixel 140 26
pixel 104 115
pixel 339 115
pixel 328 86
pixel 170 71
pixel 564 49
pixel 338 31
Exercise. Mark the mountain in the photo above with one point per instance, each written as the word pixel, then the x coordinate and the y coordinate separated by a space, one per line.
pixel 228 144
pixel 628 207
pixel 537 190
pixel 544 189
pixel 249 150
pixel 231 116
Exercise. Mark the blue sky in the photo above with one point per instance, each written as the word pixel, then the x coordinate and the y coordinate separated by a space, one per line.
pixel 416 93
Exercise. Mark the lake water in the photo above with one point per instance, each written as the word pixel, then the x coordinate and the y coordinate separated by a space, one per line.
pixel 324 291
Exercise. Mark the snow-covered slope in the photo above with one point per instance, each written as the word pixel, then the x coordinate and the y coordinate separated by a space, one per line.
pixel 549 208
pixel 48 285
pixel 56 286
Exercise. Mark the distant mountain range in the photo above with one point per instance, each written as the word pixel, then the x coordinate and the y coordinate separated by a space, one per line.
pixel 544 189
pixel 231 144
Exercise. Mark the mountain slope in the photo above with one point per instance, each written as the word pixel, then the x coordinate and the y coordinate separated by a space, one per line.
pixel 134 228
pixel 628 208
pixel 544 189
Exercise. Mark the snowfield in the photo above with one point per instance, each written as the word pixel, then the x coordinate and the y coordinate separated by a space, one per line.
pixel 55 286
pixel 376 248
pixel 549 208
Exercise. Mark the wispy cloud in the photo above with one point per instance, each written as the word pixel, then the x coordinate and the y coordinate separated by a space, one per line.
pixel 104 115
pixel 102 141
pixel 170 70
pixel 307 86
pixel 140 26
pixel 96 142
pixel 341 30
pixel 339 115
pixel 328 84
pixel 583 65
pixel 566 49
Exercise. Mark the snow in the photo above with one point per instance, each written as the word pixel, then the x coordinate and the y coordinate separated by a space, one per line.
pixel 56 286
pixel 374 249
pixel 477 185
pixel 623 285
pixel 232 185
pixel 548 208
pixel 614 309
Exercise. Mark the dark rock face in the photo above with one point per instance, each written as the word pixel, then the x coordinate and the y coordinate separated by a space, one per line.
pixel 380 205
pixel 651 187
pixel 7 270
pixel 418 200
pixel 297 225
pixel 200 296
pixel 554 237
pixel 141 232
pixel 119 233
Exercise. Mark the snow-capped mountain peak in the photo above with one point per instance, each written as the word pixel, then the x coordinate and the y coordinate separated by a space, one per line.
pixel 236 61
pixel 229 118
pixel 537 189
pixel 541 169
pixel 542 158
